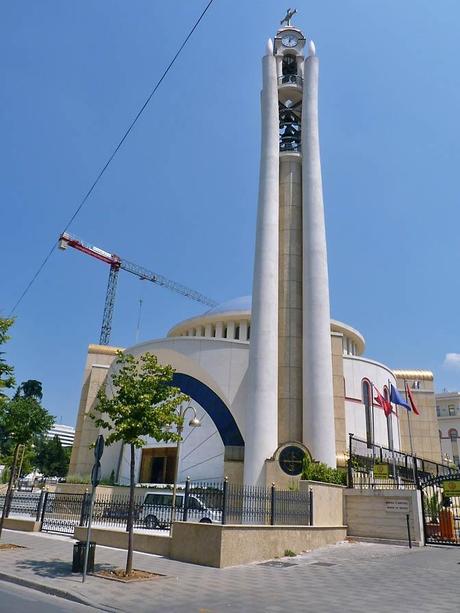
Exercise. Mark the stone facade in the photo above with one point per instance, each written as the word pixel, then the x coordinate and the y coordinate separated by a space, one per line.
pixel 423 427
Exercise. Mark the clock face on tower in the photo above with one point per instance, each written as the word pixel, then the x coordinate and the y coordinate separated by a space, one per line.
pixel 289 40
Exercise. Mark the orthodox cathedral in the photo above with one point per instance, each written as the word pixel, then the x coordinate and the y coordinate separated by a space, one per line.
pixel 272 378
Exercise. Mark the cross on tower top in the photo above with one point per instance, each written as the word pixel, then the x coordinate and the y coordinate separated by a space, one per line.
pixel 289 15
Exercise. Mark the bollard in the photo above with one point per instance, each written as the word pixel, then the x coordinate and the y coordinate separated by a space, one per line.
pixel 408 531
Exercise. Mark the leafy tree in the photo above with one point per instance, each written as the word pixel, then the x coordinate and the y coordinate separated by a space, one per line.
pixel 23 419
pixel 51 458
pixel 30 389
pixel 142 404
pixel 6 371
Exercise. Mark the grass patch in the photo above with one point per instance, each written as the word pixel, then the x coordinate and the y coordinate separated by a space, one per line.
pixel 288 553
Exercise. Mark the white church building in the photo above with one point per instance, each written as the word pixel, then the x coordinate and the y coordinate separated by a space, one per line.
pixel 275 379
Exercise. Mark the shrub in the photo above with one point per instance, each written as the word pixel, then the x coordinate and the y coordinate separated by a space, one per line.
pixel 317 471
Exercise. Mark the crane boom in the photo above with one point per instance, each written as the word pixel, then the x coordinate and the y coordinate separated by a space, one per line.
pixel 116 263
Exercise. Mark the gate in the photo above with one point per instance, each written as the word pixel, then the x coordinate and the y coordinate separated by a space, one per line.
pixel 62 512
pixel 441 509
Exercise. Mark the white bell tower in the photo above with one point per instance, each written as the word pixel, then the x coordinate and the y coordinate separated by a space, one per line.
pixel 290 361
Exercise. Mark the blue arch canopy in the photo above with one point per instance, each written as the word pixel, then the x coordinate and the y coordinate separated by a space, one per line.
pixel 214 407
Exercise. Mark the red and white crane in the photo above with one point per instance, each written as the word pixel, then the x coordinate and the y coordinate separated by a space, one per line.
pixel 116 263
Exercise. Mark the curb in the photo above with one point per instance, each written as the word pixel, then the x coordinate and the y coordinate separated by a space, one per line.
pixel 45 589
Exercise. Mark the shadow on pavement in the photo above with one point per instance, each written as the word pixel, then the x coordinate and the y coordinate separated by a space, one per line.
pixel 56 568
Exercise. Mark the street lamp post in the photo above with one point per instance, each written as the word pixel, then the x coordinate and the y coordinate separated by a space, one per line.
pixel 193 423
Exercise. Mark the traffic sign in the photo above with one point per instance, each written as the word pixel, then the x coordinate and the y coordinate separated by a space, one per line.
pixel 99 447
pixel 96 474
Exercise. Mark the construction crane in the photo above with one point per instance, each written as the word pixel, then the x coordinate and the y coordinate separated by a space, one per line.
pixel 116 263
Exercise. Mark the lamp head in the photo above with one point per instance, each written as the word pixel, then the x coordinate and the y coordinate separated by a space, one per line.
pixel 194 422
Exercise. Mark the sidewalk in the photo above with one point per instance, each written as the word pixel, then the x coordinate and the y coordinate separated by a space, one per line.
pixel 349 577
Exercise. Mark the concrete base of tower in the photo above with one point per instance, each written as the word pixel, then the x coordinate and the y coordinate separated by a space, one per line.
pixel 284 468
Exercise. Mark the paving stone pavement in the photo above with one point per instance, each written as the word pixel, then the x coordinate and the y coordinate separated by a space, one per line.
pixel 348 577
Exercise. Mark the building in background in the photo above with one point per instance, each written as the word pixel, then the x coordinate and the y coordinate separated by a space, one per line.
pixel 448 414
pixel 66 434
pixel 422 429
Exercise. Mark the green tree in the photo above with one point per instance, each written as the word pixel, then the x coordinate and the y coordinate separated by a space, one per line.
pixel 142 403
pixel 24 420
pixel 51 458
pixel 6 371
pixel 30 389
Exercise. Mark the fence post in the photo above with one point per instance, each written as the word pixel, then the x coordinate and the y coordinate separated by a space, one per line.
pixel 39 506
pixel 272 506
pixel 186 496
pixel 224 501
pixel 350 460
pixel 45 500
pixel 310 503
pixel 416 476
pixel 84 504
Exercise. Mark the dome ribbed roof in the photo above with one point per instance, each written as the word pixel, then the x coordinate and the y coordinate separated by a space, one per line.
pixel 243 303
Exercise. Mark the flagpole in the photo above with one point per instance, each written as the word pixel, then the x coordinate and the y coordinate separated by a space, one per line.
pixel 395 475
pixel 373 422
pixel 408 421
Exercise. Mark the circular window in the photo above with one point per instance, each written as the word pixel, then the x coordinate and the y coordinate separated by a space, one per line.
pixel 291 459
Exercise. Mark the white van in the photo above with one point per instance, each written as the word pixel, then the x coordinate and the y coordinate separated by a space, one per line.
pixel 156 509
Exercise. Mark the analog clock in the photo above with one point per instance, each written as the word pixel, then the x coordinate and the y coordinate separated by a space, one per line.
pixel 289 40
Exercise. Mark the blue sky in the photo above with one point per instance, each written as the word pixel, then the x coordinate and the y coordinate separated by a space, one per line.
pixel 181 196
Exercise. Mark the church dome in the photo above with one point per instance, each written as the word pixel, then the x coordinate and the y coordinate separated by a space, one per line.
pixel 231 320
pixel 243 303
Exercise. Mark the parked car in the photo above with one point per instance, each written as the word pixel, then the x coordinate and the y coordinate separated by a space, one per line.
pixel 156 509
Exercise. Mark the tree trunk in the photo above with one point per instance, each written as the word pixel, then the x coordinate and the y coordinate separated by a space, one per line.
pixel 129 557
pixel 6 503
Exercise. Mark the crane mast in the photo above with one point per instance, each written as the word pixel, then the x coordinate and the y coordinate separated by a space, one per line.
pixel 116 263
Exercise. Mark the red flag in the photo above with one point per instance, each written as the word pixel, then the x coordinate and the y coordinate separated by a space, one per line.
pixel 383 402
pixel 411 400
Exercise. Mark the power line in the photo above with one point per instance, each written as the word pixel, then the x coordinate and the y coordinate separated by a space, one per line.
pixel 113 154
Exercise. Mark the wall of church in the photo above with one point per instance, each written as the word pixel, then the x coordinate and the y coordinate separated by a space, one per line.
pixel 221 365
pixel 356 370
pixel 98 362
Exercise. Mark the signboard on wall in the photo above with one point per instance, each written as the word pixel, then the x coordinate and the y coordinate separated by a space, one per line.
pixel 451 488
pixel 381 471
pixel 396 505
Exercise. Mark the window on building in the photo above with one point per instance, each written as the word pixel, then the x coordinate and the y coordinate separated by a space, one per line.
pixel 249 332
pixel 367 400
pixel 237 333
pixel 453 435
pixel 438 411
pixel 451 409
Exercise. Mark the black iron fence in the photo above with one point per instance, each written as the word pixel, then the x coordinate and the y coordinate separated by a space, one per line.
pixel 441 509
pixel 204 502
pixel 22 504
pixel 372 466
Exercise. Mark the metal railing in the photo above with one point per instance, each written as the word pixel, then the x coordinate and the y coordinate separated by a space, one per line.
pixel 372 466
pixel 22 504
pixel 219 502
